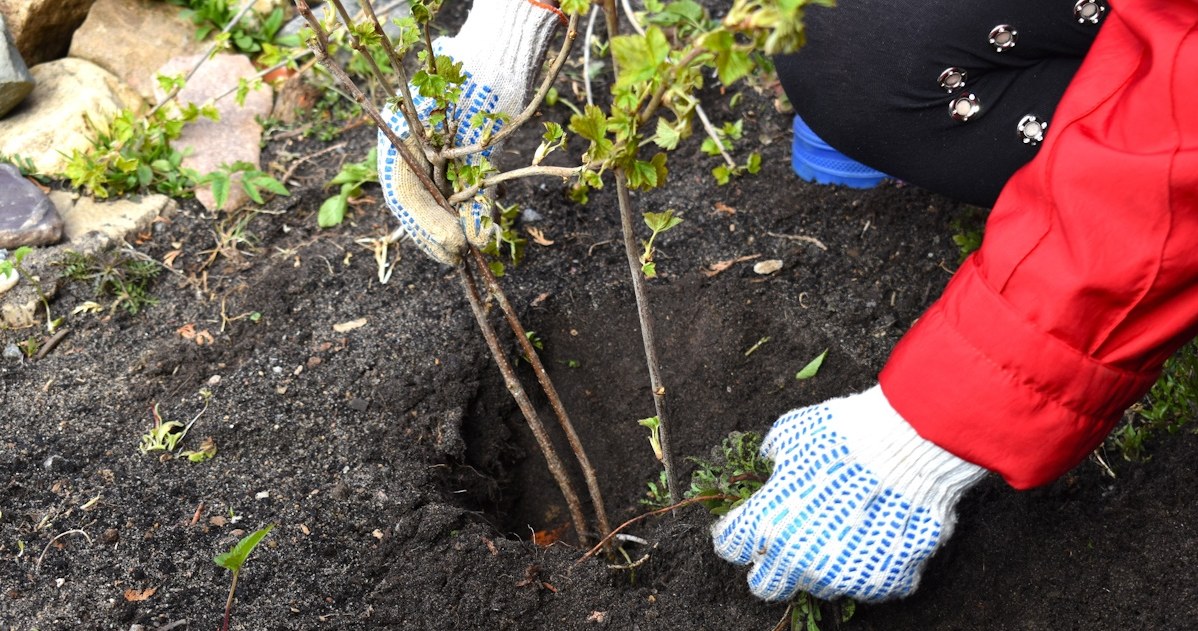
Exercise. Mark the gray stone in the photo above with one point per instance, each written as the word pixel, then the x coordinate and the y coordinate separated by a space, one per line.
pixel 115 220
pixel 236 137
pixel 42 29
pixel 12 351
pixel 53 120
pixel 130 38
pixel 15 81
pixel 27 217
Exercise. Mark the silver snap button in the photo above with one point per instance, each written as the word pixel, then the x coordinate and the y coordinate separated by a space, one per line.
pixel 1002 37
pixel 964 107
pixel 1031 129
pixel 1088 11
pixel 953 78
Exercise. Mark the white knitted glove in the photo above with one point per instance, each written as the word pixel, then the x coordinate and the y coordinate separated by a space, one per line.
pixel 856 505
pixel 500 47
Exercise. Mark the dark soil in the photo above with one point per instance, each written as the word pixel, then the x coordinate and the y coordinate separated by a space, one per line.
pixel 403 482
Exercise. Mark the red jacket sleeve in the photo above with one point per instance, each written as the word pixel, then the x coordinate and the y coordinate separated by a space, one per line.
pixel 1087 279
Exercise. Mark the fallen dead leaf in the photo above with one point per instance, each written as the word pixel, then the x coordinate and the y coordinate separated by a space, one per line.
pixel 538 237
pixel 720 266
pixel 539 299
pixel 721 207
pixel 342 327
pixel 136 596
pixel 168 259
pixel 546 538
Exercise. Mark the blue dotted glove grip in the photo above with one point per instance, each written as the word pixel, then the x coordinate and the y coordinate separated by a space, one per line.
pixel 824 523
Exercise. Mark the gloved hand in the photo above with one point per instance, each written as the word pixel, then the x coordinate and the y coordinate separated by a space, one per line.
pixel 856 505
pixel 500 47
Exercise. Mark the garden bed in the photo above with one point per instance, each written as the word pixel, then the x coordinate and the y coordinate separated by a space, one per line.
pixel 402 480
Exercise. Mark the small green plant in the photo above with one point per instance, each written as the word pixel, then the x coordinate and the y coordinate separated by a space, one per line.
pixel 507 240
pixel 14 264
pixel 25 165
pixel 351 178
pixel 252 180
pixel 115 274
pixel 734 473
pixel 967 230
pixel 807 611
pixel 133 153
pixel 254 33
pixel 234 560
pixel 658 223
pixel 163 436
pixel 1170 406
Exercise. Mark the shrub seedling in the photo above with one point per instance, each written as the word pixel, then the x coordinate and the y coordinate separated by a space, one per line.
pixel 233 560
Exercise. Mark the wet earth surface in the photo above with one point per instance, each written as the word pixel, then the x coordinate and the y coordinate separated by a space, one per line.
pixel 367 421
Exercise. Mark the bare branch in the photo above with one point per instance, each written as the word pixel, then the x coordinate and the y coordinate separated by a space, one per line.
pixel 515 174
pixel 554 68
pixel 555 401
pixel 647 336
pixel 521 397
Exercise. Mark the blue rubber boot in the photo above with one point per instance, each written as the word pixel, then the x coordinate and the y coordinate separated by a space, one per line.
pixel 816 161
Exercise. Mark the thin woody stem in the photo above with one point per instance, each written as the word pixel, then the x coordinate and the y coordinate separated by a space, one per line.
pixel 661 511
pixel 321 50
pixel 533 105
pixel 555 401
pixel 416 165
pixel 361 48
pixel 526 407
pixel 530 171
pixel 406 105
pixel 647 336
pixel 644 314
pixel 245 7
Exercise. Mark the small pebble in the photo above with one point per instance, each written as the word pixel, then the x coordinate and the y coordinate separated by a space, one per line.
pixel 213 380
pixel 111 536
pixel 12 351
pixel 766 268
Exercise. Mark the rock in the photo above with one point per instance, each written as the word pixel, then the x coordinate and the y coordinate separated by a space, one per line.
pixel 236 136
pixel 130 38
pixel 27 217
pixel 767 267
pixel 42 29
pixel 116 219
pixel 15 81
pixel 58 464
pixel 12 351
pixel 52 119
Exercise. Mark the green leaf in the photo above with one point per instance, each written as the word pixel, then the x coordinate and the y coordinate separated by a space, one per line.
pixel 575 7
pixel 812 367
pixel 660 222
pixel 235 558
pixel 220 188
pixel 649 269
pixel 667 136
pixel 639 56
pixel 332 211
pixel 722 174
pixel 592 124
pixel 754 163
